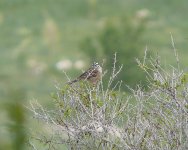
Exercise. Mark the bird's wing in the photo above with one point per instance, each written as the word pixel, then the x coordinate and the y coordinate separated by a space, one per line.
pixel 89 74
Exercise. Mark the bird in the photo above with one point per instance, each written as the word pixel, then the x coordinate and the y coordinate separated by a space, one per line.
pixel 93 74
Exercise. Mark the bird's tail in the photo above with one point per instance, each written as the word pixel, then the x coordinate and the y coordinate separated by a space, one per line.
pixel 73 81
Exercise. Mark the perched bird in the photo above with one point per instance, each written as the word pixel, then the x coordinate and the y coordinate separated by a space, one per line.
pixel 93 74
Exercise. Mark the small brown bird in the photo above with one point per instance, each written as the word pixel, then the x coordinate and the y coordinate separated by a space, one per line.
pixel 93 74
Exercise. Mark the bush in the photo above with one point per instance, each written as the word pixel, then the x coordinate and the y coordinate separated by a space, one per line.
pixel 123 35
pixel 89 117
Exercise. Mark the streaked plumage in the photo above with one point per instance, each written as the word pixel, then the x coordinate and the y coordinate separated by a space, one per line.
pixel 93 74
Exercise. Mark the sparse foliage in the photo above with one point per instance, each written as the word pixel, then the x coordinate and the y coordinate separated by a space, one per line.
pixel 89 117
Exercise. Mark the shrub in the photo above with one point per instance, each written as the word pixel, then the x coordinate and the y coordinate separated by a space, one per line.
pixel 89 117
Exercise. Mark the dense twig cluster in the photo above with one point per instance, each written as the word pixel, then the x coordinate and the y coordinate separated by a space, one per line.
pixel 89 117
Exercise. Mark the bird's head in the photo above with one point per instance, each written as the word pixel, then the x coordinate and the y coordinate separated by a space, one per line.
pixel 96 65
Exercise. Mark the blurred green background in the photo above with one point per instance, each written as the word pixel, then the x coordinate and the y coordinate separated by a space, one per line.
pixel 40 38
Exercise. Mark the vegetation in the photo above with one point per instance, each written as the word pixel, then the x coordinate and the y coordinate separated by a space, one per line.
pixel 89 117
pixel 37 34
